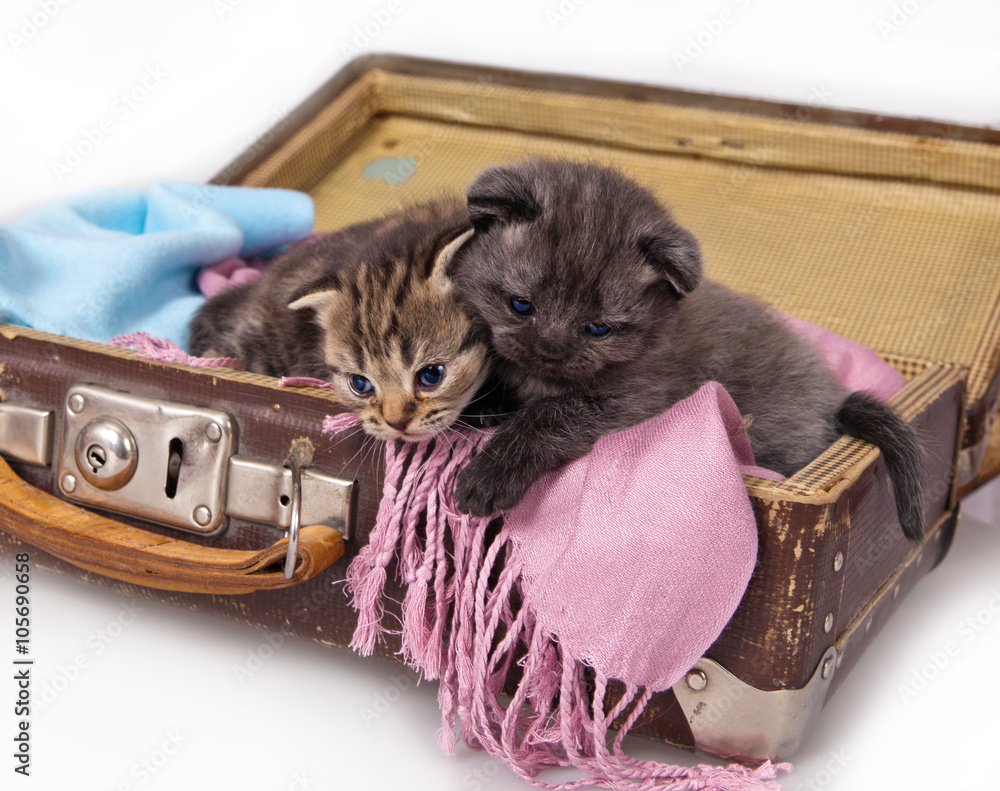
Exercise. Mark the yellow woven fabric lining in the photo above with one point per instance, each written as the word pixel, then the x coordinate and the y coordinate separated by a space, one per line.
pixel 884 238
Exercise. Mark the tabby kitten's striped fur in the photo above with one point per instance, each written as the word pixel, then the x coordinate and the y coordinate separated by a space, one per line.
pixel 371 309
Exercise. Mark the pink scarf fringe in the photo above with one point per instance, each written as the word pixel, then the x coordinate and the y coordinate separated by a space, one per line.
pixel 462 625
pixel 163 351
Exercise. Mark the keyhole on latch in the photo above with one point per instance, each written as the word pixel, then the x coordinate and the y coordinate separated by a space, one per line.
pixel 174 460
pixel 97 457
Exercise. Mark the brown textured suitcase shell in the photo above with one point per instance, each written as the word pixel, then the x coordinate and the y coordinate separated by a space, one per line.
pixel 880 229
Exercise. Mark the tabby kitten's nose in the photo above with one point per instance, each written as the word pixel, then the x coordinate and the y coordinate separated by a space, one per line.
pixel 398 415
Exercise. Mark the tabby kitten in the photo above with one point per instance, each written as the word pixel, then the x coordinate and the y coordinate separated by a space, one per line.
pixel 371 309
pixel 596 307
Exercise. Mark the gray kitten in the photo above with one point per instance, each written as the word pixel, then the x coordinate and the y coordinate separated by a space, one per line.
pixel 599 319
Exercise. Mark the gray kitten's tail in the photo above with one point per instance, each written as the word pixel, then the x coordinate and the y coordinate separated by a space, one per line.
pixel 863 417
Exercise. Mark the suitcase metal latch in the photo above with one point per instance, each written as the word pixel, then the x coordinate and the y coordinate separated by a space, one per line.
pixel 176 465
pixel 157 460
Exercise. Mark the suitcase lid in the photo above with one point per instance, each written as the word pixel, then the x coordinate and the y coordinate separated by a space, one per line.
pixel 881 229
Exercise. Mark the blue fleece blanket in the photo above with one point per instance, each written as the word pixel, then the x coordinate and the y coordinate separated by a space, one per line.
pixel 114 261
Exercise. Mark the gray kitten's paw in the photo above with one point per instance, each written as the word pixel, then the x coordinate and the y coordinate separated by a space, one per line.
pixel 485 487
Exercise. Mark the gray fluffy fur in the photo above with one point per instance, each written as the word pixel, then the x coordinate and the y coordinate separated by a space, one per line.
pixel 584 244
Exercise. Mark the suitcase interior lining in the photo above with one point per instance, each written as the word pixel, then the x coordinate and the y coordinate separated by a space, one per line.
pixel 796 212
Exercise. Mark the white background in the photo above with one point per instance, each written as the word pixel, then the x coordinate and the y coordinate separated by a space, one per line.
pixel 162 690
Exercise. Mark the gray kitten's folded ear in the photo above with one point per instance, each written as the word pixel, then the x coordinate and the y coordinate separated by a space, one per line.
pixel 501 195
pixel 674 253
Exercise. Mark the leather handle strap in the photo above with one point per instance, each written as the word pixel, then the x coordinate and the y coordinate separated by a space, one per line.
pixel 141 557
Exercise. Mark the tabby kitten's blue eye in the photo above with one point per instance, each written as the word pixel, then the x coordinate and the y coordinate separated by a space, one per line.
pixel 430 376
pixel 522 306
pixel 597 330
pixel 360 385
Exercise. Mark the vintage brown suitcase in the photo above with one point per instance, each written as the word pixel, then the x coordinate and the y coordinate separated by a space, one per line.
pixel 846 220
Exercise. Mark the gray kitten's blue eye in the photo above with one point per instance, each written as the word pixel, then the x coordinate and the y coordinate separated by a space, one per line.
pixel 597 330
pixel 430 376
pixel 359 384
pixel 522 306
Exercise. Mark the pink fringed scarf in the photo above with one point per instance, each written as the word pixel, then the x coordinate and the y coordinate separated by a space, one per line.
pixel 615 562
pixel 629 561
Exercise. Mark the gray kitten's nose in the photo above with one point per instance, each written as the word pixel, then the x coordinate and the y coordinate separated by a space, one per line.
pixel 549 352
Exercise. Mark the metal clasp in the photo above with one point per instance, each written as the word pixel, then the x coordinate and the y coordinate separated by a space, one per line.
pixel 173 464
pixel 26 433
pixel 157 460
pixel 260 491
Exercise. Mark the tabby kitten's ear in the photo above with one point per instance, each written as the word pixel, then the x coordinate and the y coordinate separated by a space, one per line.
pixel 674 254
pixel 501 195
pixel 313 300
pixel 439 269
pixel 314 294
